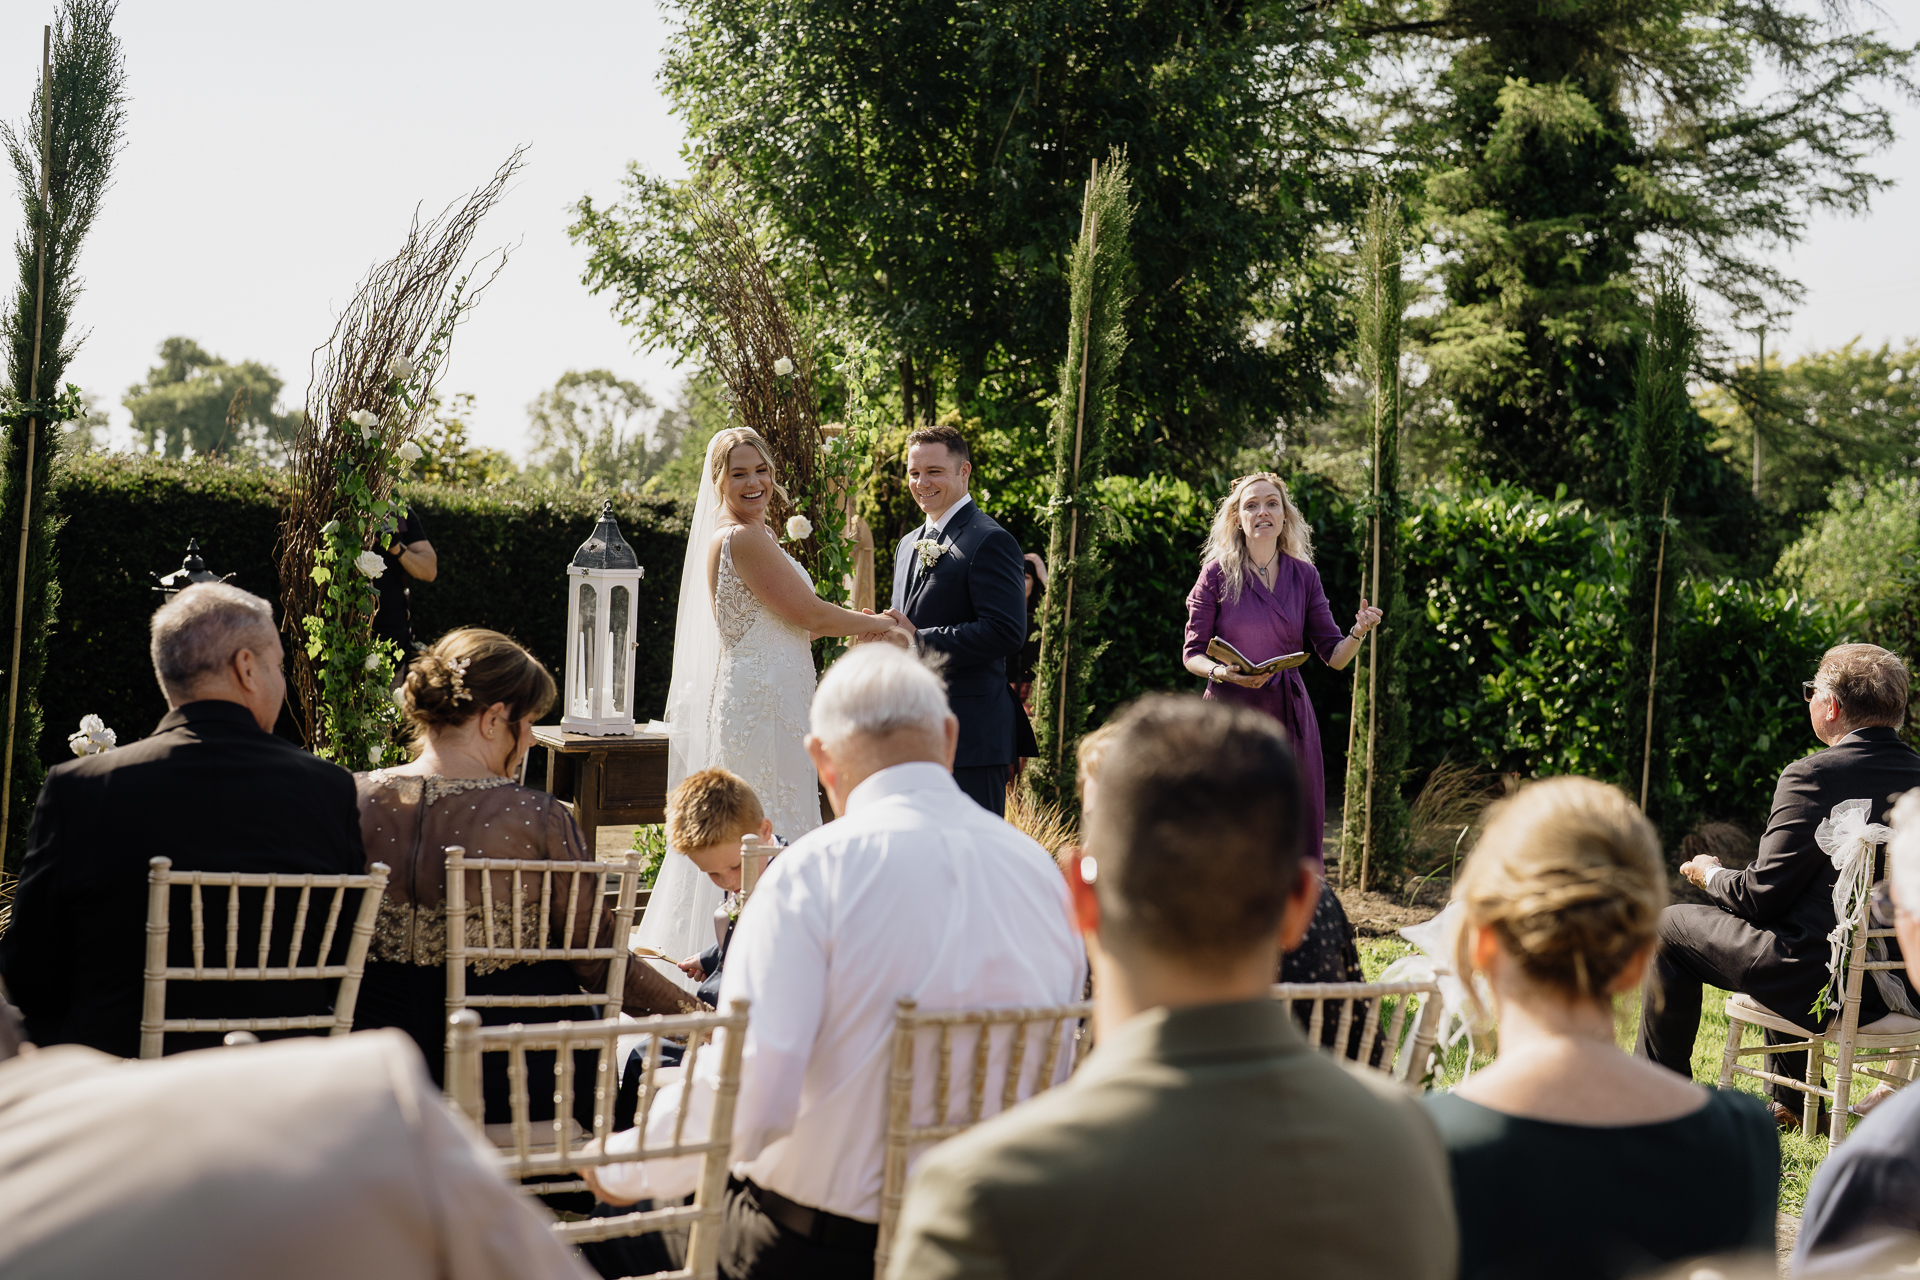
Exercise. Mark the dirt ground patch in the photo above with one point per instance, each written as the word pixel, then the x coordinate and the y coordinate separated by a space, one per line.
pixel 1375 914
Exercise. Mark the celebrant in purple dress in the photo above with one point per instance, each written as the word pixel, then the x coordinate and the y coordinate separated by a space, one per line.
pixel 1258 591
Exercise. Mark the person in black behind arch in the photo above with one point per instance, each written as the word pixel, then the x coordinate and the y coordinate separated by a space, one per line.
pixel 409 556
pixel 214 790
pixel 1766 932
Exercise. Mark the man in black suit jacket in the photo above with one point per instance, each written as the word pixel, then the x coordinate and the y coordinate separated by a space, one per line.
pixel 214 790
pixel 964 595
pixel 1766 934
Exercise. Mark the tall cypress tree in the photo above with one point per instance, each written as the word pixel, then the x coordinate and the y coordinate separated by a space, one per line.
pixel 1100 284
pixel 77 119
pixel 1659 430
pixel 1375 832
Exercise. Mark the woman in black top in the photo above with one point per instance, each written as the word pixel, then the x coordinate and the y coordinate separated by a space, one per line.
pixel 1569 1157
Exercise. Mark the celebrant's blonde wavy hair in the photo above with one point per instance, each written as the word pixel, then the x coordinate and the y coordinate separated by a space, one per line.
pixel 1228 542
pixel 722 449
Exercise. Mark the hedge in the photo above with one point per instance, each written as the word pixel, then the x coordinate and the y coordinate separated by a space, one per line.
pixel 502 553
pixel 1515 663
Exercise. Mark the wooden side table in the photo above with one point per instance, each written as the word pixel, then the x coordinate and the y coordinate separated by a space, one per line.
pixel 602 781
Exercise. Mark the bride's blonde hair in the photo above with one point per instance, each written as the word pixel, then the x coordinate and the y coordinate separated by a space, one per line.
pixel 1228 542
pixel 722 448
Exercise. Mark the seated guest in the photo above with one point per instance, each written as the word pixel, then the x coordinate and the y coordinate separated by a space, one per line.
pixel 708 815
pixel 1863 1211
pixel 472 699
pixel 214 790
pixel 914 891
pixel 1766 932
pixel 308 1159
pixel 1203 1137
pixel 1570 1158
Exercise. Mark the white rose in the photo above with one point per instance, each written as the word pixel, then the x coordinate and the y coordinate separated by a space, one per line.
pixel 409 452
pixel 370 563
pixel 373 659
pixel 783 366
pixel 364 418
pixel 373 754
pixel 798 527
pixel 401 367
pixel 93 738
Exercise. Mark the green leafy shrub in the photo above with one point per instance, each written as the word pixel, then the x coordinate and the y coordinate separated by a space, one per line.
pixel 503 554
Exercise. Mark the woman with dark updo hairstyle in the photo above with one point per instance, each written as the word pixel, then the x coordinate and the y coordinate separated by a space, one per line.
pixel 472 699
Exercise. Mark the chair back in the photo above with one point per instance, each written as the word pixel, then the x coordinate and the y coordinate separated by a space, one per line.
pixel 527 1152
pixel 754 858
pixel 1406 1049
pixel 551 910
pixel 265 962
pixel 987 1056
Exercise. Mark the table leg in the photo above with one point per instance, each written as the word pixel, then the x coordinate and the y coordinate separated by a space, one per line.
pixel 586 798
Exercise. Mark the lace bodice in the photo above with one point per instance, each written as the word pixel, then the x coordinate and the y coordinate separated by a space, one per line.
pixel 736 609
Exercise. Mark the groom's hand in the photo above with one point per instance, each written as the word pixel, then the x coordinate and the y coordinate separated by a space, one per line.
pixel 901 621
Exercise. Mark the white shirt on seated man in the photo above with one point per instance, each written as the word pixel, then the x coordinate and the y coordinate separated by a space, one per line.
pixel 914 891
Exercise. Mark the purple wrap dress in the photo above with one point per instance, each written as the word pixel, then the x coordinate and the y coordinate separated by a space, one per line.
pixel 1262 624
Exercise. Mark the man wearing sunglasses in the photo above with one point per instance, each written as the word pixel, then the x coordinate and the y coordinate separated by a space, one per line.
pixel 1766 932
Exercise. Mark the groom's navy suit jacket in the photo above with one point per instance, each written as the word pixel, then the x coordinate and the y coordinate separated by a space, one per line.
pixel 972 607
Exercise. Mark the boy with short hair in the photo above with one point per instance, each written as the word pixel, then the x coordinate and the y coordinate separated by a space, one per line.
pixel 707 816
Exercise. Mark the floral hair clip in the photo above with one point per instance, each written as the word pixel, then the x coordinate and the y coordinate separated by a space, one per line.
pixel 456 670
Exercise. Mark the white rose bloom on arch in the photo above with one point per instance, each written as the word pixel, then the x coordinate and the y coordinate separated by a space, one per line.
pixel 370 563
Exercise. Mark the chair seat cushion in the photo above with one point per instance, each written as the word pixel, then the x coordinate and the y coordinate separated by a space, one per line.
pixel 1747 1009
pixel 1894 1024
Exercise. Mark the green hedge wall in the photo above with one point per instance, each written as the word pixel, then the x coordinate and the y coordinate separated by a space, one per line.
pixel 503 555
pixel 1516 658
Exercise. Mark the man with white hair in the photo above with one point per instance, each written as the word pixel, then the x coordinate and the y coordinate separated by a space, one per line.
pixel 214 790
pixel 915 890
pixel 1863 1210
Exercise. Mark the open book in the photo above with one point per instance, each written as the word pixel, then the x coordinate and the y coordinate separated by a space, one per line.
pixel 1220 651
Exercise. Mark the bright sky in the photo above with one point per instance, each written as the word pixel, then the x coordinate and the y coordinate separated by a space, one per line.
pixel 275 152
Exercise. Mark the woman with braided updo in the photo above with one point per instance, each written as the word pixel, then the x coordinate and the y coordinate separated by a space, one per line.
pixel 472 699
pixel 1569 1157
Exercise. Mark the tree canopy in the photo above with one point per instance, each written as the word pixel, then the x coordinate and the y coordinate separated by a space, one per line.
pixel 592 431
pixel 195 402
pixel 919 167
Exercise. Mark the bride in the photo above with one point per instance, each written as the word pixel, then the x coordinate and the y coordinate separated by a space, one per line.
pixel 742 673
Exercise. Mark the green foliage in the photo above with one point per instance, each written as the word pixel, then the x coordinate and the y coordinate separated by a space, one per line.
pixel 1084 430
pixel 1862 547
pixel 194 402
pixel 1826 418
pixel 650 842
pixel 698 413
pixel 450 456
pixel 1559 152
pixel 589 432
pixel 1660 429
pixel 918 173
pixel 1376 835
pixel 503 555
pixel 82 131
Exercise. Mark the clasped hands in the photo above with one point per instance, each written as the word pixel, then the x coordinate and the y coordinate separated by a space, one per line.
pixel 900 633
pixel 1695 869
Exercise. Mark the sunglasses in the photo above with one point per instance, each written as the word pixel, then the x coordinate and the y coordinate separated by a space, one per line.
pixel 1807 690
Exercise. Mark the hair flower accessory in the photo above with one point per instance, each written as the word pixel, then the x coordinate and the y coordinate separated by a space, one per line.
pixel 456 678
pixel 798 527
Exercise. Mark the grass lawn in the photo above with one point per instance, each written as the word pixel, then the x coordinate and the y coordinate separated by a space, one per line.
pixel 1800 1156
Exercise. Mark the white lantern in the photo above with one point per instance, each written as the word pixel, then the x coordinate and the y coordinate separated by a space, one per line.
pixel 602 585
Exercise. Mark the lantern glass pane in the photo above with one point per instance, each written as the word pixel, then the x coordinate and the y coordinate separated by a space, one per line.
pixel 581 677
pixel 617 646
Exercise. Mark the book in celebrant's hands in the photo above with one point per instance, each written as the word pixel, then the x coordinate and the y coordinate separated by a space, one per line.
pixel 1221 651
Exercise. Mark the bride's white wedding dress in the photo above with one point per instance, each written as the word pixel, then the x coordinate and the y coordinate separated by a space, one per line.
pixel 742 684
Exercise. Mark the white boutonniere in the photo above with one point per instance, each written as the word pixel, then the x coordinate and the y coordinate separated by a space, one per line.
pixel 929 550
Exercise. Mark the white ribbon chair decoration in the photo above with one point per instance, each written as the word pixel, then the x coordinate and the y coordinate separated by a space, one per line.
pixel 1849 839
pixel 1434 963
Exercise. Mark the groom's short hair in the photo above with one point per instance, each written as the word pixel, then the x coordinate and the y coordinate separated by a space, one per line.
pixel 942 434
pixel 874 690
pixel 1197 833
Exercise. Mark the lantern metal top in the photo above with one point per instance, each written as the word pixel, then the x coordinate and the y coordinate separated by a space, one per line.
pixel 192 570
pixel 605 549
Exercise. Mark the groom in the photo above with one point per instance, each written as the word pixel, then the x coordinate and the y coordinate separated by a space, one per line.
pixel 959 589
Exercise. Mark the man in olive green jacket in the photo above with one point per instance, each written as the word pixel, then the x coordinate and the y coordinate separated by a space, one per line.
pixel 1203 1137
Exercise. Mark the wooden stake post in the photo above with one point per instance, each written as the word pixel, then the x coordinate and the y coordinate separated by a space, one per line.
pixel 1653 659
pixel 33 429
pixel 1090 232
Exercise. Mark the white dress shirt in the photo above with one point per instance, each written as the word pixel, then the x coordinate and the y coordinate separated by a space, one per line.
pixel 935 529
pixel 917 891
pixel 1707 881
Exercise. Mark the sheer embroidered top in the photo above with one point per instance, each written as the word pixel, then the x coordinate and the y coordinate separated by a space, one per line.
pixel 407 821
